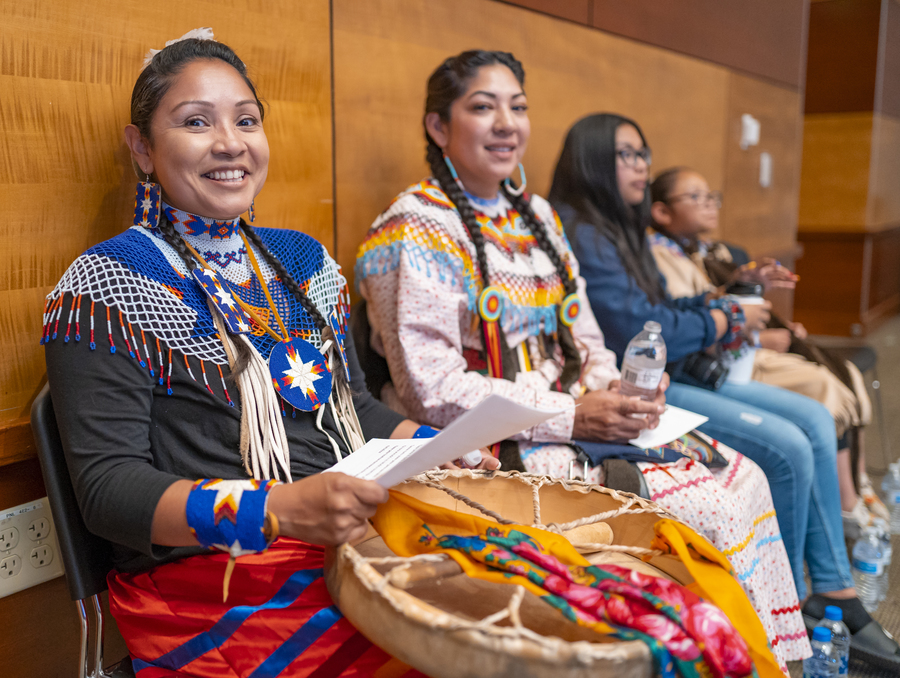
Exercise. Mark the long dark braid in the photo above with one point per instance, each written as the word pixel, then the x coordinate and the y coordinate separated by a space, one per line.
pixel 294 288
pixel 439 171
pixel 572 365
pixel 173 237
pixel 445 86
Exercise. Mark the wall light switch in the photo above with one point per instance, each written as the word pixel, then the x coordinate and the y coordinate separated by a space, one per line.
pixel 765 169
pixel 750 129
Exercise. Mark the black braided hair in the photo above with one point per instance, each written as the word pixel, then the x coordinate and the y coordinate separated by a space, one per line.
pixel 294 288
pixel 173 237
pixel 446 85
pixel 572 365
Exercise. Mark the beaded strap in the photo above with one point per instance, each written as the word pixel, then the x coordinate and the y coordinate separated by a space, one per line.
pixel 734 314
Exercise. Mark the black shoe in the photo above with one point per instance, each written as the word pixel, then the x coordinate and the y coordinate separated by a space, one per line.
pixel 871 644
pixel 876 646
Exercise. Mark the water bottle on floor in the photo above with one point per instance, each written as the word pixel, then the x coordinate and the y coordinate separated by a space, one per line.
pixel 890 486
pixel 840 636
pixel 884 537
pixel 867 567
pixel 824 661
pixel 644 362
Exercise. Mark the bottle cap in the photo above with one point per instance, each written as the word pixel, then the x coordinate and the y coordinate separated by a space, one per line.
pixel 821 633
pixel 653 326
pixel 473 458
pixel 834 612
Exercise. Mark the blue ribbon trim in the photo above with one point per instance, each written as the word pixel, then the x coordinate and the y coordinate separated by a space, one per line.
pixel 298 643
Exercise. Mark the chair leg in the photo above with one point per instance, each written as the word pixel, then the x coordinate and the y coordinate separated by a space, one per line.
pixel 85 630
pixel 98 641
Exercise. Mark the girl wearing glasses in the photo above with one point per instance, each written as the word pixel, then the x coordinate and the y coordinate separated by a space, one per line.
pixel 684 213
pixel 600 189
pixel 446 247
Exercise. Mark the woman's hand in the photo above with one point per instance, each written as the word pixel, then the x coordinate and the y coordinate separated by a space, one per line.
pixel 608 415
pixel 768 273
pixel 775 340
pixel 756 316
pixel 326 508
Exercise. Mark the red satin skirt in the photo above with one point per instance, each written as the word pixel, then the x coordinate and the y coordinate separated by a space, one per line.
pixel 279 620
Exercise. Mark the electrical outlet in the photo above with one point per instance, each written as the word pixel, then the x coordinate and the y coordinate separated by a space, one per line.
pixel 10 567
pixel 8 539
pixel 41 556
pixel 31 561
pixel 38 529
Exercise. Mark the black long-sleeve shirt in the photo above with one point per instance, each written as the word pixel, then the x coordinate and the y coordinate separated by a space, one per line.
pixel 127 440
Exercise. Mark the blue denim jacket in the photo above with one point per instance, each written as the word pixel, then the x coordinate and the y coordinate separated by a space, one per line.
pixel 622 307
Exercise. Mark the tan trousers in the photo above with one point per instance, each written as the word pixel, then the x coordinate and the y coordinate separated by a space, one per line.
pixel 795 373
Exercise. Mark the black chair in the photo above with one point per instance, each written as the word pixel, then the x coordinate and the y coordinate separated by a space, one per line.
pixel 861 354
pixel 87 558
pixel 374 366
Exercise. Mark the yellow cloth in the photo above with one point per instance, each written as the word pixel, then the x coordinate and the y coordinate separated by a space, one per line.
pixel 708 565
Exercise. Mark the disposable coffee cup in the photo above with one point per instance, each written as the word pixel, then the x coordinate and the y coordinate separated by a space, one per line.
pixel 741 370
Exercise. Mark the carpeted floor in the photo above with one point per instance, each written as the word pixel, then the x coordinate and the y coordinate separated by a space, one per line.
pixel 886 341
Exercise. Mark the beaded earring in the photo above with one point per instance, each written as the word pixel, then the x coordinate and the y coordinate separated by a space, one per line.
pixel 521 188
pixel 147 203
pixel 453 173
pixel 251 212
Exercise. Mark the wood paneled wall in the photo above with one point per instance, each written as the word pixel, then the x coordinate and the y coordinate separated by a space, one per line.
pixel 849 203
pixel 842 55
pixel 689 109
pixel 765 38
pixel 66 73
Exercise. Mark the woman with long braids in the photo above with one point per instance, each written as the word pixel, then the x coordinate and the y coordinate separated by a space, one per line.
pixel 180 451
pixel 600 187
pixel 471 289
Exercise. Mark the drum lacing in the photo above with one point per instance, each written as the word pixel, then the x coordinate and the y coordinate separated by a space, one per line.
pixel 536 484
pixel 465 500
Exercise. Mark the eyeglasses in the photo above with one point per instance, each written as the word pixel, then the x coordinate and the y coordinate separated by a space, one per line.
pixel 700 199
pixel 629 156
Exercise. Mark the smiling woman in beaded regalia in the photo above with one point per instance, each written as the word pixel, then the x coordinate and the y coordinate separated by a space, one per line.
pixel 186 449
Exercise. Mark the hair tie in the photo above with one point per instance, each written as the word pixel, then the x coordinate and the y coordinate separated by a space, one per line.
pixel 205 33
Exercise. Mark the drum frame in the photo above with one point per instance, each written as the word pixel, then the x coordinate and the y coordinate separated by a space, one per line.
pixel 456 647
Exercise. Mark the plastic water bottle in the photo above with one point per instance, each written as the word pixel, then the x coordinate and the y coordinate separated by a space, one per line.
pixel 890 486
pixel 884 536
pixel 840 636
pixel 824 661
pixel 644 362
pixel 867 567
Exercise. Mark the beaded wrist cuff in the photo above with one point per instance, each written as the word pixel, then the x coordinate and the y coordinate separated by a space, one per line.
pixel 733 336
pixel 425 432
pixel 230 515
